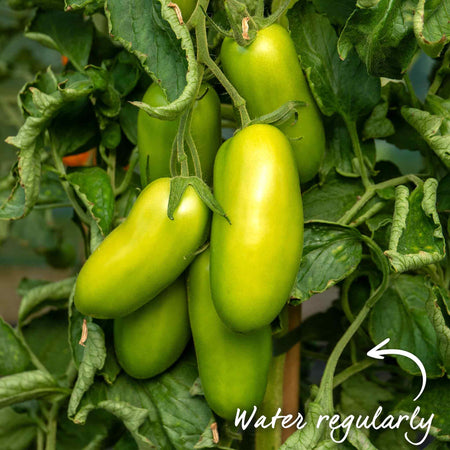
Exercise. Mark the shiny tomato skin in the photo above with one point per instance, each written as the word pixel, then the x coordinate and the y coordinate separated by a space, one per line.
pixel 267 74
pixel 143 255
pixel 254 260
pixel 149 340
pixel 155 136
pixel 233 367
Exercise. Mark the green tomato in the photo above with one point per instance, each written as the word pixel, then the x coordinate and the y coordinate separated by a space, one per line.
pixel 187 8
pixel 151 339
pixel 254 260
pixel 143 255
pixel 267 74
pixel 233 367
pixel 156 136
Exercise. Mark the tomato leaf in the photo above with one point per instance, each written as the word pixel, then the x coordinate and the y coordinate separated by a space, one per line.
pixel 94 356
pixel 43 295
pixel 30 140
pixel 14 357
pixel 17 431
pixel 337 12
pixel 382 34
pixel 24 386
pixel 159 412
pixel 154 36
pixel 330 253
pixel 403 307
pixel 94 189
pixel 416 234
pixel 331 200
pixel 47 338
pixel 339 154
pixel 65 32
pixel 342 87
pixel 438 309
pixel 443 195
pixel 89 6
pixel 429 127
pixel 432 26
pixel 359 396
pixel 434 400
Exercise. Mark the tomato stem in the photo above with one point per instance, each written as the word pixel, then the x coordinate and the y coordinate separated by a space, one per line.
pixel 204 57
pixel 134 158
pixel 66 186
pixel 371 192
pixel 325 393
pixel 351 127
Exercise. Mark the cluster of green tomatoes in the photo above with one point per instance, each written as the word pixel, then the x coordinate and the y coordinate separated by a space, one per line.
pixel 149 275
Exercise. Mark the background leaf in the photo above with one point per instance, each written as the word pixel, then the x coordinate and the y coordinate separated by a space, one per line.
pixel 342 87
pixel 383 37
pixel 64 31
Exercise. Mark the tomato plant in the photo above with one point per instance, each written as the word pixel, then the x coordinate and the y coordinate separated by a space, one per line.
pixel 250 155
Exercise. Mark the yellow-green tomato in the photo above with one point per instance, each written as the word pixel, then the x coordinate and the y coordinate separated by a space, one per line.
pixel 233 367
pixel 267 74
pixel 151 339
pixel 156 136
pixel 143 255
pixel 254 260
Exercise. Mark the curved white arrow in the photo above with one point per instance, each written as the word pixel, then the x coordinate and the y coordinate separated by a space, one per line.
pixel 377 353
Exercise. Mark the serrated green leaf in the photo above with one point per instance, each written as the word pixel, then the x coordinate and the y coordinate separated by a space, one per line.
pixel 403 307
pixel 429 127
pixel 14 357
pixel 342 87
pixel 93 360
pixel 416 234
pixel 162 45
pixel 29 385
pixel 432 25
pixel 44 295
pixel 382 34
pixel 93 187
pixel 330 254
pixel 438 309
pixel 66 32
